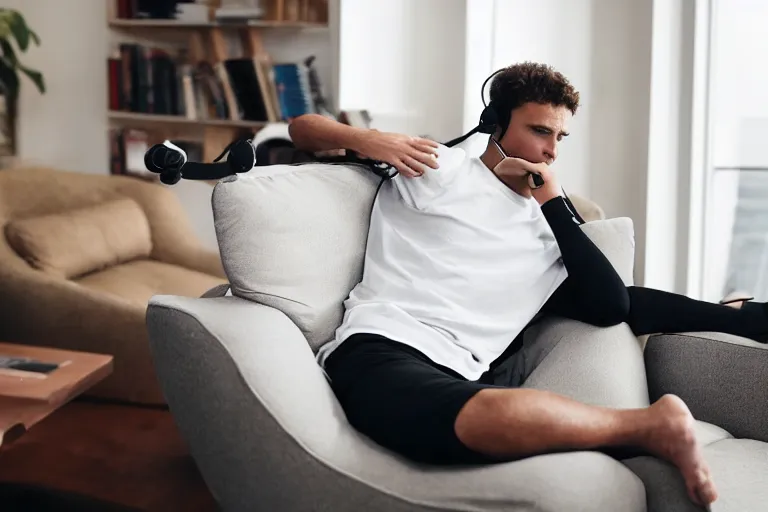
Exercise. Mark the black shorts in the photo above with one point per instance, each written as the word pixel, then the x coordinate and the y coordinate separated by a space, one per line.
pixel 402 400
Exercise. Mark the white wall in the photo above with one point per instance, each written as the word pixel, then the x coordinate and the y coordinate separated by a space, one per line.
pixel 66 127
pixel 403 60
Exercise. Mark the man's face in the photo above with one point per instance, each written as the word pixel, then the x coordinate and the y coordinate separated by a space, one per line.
pixel 534 132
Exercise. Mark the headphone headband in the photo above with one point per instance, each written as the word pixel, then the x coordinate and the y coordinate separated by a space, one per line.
pixel 489 119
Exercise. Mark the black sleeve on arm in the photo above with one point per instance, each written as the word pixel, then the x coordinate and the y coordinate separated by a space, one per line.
pixel 593 292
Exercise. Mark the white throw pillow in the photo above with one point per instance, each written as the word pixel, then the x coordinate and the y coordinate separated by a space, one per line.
pixel 616 239
pixel 293 237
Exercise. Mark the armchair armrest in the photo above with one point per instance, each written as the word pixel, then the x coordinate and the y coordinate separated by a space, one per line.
pixel 722 378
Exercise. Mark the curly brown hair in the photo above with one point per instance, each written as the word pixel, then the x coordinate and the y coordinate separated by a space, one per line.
pixel 530 82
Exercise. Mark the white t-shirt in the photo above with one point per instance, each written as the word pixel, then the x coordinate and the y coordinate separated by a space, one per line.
pixel 456 266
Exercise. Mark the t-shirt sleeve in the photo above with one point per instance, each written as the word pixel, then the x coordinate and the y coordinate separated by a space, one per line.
pixel 418 192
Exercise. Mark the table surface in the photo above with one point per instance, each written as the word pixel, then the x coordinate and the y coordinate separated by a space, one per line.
pixel 26 399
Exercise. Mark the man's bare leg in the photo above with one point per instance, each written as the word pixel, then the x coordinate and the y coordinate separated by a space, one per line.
pixel 515 423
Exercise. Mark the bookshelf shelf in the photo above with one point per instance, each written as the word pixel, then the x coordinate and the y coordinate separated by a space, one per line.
pixel 173 24
pixel 154 120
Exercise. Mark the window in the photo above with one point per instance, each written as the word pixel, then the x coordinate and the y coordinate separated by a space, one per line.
pixel 736 226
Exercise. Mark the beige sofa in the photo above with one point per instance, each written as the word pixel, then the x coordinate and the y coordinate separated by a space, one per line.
pixel 80 258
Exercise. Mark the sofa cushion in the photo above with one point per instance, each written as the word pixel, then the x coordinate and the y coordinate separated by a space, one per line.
pixel 616 239
pixel 293 237
pixel 137 281
pixel 76 242
pixel 738 469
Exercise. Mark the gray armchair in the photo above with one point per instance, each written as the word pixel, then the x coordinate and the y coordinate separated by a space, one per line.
pixel 238 371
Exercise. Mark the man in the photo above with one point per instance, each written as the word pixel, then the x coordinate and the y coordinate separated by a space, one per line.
pixel 463 253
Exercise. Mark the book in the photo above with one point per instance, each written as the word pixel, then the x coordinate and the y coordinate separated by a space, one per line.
pixel 26 367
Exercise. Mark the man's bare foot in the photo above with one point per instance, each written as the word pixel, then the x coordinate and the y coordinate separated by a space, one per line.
pixel 674 440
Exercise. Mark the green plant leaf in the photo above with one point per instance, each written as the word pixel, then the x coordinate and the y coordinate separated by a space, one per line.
pixel 36 77
pixel 5 28
pixel 34 37
pixel 20 30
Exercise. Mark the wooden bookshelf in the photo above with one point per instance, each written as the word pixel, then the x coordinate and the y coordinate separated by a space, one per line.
pixel 157 121
pixel 207 44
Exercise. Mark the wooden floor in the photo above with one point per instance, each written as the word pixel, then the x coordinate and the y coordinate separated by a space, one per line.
pixel 124 455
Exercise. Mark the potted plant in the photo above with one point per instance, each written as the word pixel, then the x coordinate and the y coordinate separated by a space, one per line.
pixel 13 27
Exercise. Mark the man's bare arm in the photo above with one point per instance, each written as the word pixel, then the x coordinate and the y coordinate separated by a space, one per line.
pixel 409 155
pixel 313 132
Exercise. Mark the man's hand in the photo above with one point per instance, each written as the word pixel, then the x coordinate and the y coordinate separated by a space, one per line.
pixel 516 174
pixel 405 153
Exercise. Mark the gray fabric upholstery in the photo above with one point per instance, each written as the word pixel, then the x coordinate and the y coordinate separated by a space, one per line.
pixel 616 239
pixel 739 469
pixel 268 433
pixel 665 487
pixel 722 378
pixel 293 237
pixel 605 365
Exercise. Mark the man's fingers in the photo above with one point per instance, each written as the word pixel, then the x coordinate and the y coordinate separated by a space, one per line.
pixel 424 142
pixel 405 169
pixel 416 164
pixel 426 158
pixel 425 148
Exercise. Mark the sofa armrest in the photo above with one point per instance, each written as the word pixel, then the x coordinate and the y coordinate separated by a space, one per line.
pixel 722 378
pixel 267 432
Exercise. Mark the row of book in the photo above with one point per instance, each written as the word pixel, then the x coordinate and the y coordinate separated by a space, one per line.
pixel 152 80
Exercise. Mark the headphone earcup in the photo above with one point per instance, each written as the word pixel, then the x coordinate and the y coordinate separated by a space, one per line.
pixel 170 176
pixel 489 119
pixel 242 156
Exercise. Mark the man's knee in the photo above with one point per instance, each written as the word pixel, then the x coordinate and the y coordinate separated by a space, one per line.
pixel 613 311
pixel 485 414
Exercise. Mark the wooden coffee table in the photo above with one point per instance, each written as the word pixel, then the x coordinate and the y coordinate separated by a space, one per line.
pixel 26 399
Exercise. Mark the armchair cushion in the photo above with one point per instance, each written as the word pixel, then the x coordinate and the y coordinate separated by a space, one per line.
pixel 137 281
pixel 83 240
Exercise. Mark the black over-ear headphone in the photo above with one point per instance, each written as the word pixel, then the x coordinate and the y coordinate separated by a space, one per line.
pixel 489 118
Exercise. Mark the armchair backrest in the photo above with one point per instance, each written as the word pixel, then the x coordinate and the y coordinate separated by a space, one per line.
pixel 28 193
